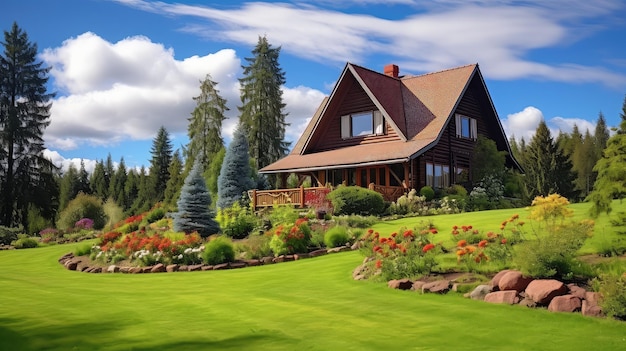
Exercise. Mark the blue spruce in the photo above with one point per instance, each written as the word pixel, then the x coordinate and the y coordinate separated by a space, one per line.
pixel 235 176
pixel 194 212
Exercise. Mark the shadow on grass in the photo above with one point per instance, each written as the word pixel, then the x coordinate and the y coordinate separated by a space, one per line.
pixel 256 341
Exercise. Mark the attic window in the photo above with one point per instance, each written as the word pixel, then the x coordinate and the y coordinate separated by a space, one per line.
pixel 362 124
pixel 466 127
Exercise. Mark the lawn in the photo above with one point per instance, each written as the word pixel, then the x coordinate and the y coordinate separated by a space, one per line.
pixel 311 304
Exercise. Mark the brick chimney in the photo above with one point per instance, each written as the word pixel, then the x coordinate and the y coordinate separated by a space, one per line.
pixel 392 70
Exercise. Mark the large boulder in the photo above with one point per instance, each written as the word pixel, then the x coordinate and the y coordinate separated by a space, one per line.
pixel 495 281
pixel 113 269
pixel 590 305
pixel 577 291
pixel 480 292
pixel 513 280
pixel 542 291
pixel 400 284
pixel 158 268
pixel 565 303
pixel 509 297
pixel 437 287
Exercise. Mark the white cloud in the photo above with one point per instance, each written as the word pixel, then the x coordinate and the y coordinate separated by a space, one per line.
pixel 127 90
pixel 566 125
pixel 523 124
pixel 499 34
pixel 64 163
pixel 302 102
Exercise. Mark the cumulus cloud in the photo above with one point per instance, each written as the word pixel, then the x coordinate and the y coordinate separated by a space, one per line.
pixel 64 163
pixel 441 34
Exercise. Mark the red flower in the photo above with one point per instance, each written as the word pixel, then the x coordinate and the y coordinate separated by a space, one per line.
pixel 379 264
pixel 482 243
pixel 461 243
pixel 394 234
pixel 503 241
pixel 433 231
pixel 408 234
pixel 428 247
pixel 475 231
pixel 456 227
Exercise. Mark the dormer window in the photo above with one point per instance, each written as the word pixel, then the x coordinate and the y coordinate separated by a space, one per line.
pixel 466 127
pixel 362 124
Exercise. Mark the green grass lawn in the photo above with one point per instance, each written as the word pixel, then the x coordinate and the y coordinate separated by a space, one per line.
pixel 311 304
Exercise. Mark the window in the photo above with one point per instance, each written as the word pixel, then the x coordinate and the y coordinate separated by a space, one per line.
pixel 437 176
pixel 466 127
pixel 461 175
pixel 361 124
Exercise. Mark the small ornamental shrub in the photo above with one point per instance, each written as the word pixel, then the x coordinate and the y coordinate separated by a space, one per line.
pixel 155 215
pixel 255 246
pixel 219 250
pixel 283 214
pixel 8 235
pixel 83 206
pixel 356 221
pixel 84 249
pixel 336 236
pixel 291 239
pixel 25 243
pixel 236 221
pixel 354 200
pixel 49 235
pixel 84 223
pixel 427 192
pixel 410 203
pixel 612 288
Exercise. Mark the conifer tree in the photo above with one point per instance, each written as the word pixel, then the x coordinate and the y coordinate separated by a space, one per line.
pixel 98 182
pixel 175 182
pixel 142 200
pixel 118 181
pixel 213 172
pixel 234 179
pixel 131 190
pixel 205 124
pixel 161 158
pixel 194 206
pixel 83 179
pixel 262 115
pixel 601 135
pixel 68 187
pixel 24 115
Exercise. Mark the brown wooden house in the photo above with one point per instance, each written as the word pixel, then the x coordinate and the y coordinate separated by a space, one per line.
pixel 393 133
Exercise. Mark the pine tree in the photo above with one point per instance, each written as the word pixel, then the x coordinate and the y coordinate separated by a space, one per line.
pixel 116 187
pixel 24 114
pixel 262 115
pixel 98 182
pixel 68 187
pixel 161 158
pixel 601 135
pixel 131 190
pixel 547 168
pixel 174 184
pixel 83 179
pixel 194 212
pixel 234 179
pixel 205 124
pixel 142 201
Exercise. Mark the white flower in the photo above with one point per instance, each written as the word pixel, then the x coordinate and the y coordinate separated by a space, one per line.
pixel 188 250
pixel 180 257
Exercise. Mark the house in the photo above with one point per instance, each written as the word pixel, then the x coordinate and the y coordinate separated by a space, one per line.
pixel 392 133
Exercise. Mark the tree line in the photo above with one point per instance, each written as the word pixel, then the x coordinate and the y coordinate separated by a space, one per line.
pixel 33 191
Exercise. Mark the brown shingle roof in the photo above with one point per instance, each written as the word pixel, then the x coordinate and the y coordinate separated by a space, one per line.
pixel 418 107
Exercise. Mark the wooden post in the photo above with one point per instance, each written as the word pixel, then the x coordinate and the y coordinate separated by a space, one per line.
pixel 301 196
pixel 254 199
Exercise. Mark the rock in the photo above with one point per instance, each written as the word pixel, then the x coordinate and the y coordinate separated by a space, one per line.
pixel 438 287
pixel 301 256
pixel 589 309
pixel 542 291
pixel 509 297
pixel 147 269
pixel 319 252
pixel 71 264
pixel 339 249
pixel 158 268
pixel 400 284
pixel 171 268
pixel 565 303
pixel 496 279
pixel 513 280
pixel 221 266
pixel 480 292
pixel 289 258
pixel 577 291
pixel 356 245
pixel 417 285
pixel 279 259
pixel 252 263
pixel 527 301
pixel 593 298
pixel 95 270
pixel 113 269
pixel 267 260
pixel 207 268
pixel 183 268
pixel 194 267
pixel 235 265
pixel 82 266
pixel 135 270
pixel 65 258
pixel 359 272
pixel 125 269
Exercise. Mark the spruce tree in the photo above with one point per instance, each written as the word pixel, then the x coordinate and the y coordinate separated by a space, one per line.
pixel 24 114
pixel 83 179
pixel 131 190
pixel 213 172
pixel 68 187
pixel 205 125
pixel 234 179
pixel 142 201
pixel 161 158
pixel 262 115
pixel 175 182
pixel 118 181
pixel 194 212
pixel 98 182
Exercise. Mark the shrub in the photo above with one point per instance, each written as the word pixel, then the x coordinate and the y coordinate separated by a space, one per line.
pixel 427 192
pixel 25 243
pixel 236 221
pixel 356 221
pixel 612 287
pixel 348 200
pixel 457 189
pixel 84 223
pixel 83 206
pixel 8 235
pixel 155 215
pixel 336 236
pixel 113 212
pixel 256 246
pixel 409 203
pixel 282 214
pixel 291 239
pixel 219 250
pixel 82 250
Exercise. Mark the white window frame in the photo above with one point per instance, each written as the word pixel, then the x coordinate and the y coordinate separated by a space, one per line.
pixel 437 175
pixel 378 124
pixel 472 133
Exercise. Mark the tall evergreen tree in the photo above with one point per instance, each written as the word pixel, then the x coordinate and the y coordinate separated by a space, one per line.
pixel 24 114
pixel 194 212
pixel 98 182
pixel 205 124
pixel 547 168
pixel 83 179
pixel 262 115
pixel 142 201
pixel 161 158
pixel 68 187
pixel 234 178
pixel 213 172
pixel 487 160
pixel 175 182
pixel 131 190
pixel 116 187
pixel 601 135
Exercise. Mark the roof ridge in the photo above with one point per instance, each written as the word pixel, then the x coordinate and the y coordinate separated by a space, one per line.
pixel 373 71
pixel 441 71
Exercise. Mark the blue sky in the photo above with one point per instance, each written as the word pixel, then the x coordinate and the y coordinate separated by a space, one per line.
pixel 123 68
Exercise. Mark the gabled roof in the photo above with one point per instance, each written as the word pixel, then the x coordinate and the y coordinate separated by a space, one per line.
pixel 417 107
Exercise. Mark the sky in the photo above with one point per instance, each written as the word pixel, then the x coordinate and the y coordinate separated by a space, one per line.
pixel 121 69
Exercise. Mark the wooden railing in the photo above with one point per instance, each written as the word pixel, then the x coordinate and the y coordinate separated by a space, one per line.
pixel 389 193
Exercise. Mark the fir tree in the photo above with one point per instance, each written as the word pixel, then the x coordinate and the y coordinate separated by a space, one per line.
pixel 131 190
pixel 234 179
pixel 205 124
pixel 262 115
pixel 24 115
pixel 83 179
pixel 194 212
pixel 68 187
pixel 118 181
pixel 175 182
pixel 213 172
pixel 161 158
pixel 142 201
pixel 98 182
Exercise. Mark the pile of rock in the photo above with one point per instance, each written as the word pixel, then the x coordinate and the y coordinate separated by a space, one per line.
pixel 512 287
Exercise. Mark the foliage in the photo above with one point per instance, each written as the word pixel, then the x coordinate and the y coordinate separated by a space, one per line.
pixel 219 250
pixel 471 255
pixel 194 213
pixel 82 250
pixel 290 239
pixel 487 160
pixel 161 152
pixel 262 116
pixel 26 176
pixel 235 176
pixel 25 242
pixel 356 221
pixel 427 192
pixel 236 221
pixel 7 235
pixel 84 224
pixel 155 215
pixel 282 214
pixel 83 206
pixel 348 200
pixel 336 236
pixel 175 181
pixel 408 253
pixel 255 246
pixel 409 203
pixel 612 288
pixel 318 200
pixel 113 212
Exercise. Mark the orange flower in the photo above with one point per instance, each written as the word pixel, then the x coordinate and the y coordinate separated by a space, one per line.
pixel 482 243
pixel 456 227
pixel 394 234
pixel 428 247
pixel 503 241
pixel 470 249
pixel 460 252
pixel 455 232
pixel 379 264
pixel 408 234
pixel 461 243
